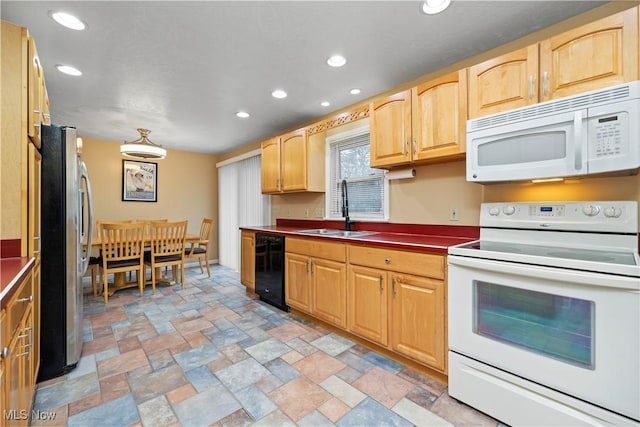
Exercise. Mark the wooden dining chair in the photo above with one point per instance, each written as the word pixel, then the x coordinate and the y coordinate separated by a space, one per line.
pixel 122 251
pixel 200 249
pixel 147 223
pixel 167 248
pixel 95 262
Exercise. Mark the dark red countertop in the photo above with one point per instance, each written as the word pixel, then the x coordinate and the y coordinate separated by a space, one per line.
pixel 12 272
pixel 419 237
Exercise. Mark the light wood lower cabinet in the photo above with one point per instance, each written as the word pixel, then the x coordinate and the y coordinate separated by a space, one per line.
pixel 397 300
pixel 297 281
pixel 418 319
pixel 393 298
pixel 315 279
pixel 18 359
pixel 247 259
pixel 368 303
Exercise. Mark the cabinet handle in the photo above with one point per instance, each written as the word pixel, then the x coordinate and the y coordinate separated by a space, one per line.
pixel 29 299
pixel 311 265
pixel 387 260
pixel 308 266
pixel 406 147
pixel 23 336
pixel 380 279
pixel 5 353
pixel 393 285
pixel 545 83
pixel 531 81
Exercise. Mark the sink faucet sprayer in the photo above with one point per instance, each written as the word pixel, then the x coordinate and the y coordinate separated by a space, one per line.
pixel 345 206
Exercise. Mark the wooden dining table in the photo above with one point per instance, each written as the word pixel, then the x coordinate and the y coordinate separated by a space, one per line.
pixel 119 279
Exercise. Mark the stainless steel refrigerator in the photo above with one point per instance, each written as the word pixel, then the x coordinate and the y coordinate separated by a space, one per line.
pixel 66 213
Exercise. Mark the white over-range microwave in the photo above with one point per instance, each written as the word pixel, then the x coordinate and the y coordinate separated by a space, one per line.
pixel 591 133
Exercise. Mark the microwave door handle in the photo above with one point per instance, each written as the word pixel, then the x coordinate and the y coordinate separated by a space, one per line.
pixel 577 131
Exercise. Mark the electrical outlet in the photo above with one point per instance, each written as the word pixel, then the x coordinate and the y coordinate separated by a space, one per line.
pixel 288 212
pixel 306 212
pixel 453 214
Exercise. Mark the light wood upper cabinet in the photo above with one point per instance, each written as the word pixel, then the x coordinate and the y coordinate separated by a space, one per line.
pixel 596 55
pixel 270 170
pixel 293 148
pixel 247 259
pixel 423 124
pixel 36 93
pixel 390 127
pixel 293 162
pixel 439 117
pixel 503 83
pixel 418 319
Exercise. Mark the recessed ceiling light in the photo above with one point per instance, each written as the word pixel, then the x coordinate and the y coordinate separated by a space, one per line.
pixel 325 103
pixel 431 7
pixel 354 91
pixel 336 61
pixel 279 93
pixel 243 114
pixel 67 69
pixel 68 20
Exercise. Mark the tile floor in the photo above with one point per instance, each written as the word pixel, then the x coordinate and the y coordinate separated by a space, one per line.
pixel 212 355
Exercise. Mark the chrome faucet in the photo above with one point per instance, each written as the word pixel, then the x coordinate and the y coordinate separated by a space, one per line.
pixel 345 206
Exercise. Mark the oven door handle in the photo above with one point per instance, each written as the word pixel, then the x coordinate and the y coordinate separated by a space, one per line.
pixel 549 273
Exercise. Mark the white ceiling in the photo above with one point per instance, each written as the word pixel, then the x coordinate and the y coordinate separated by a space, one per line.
pixel 183 69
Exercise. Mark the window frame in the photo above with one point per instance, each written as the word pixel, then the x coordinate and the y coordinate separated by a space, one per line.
pixel 329 165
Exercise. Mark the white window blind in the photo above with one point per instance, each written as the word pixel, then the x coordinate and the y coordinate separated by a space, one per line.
pixel 366 187
pixel 240 203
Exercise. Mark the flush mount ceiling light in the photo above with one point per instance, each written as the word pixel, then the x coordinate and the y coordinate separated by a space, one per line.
pixel 279 93
pixel 68 69
pixel 325 103
pixel 336 61
pixel 354 91
pixel 243 114
pixel 142 148
pixel 431 7
pixel 68 20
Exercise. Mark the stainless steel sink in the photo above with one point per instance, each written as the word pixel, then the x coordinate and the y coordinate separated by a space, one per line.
pixel 323 231
pixel 335 232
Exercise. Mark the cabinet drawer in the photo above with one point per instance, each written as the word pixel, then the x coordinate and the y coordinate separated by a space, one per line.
pixel 421 264
pixel 18 304
pixel 317 248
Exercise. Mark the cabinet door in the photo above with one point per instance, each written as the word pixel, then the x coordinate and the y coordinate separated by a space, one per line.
pixel 439 117
pixel 294 161
pixel 418 329
pixel 367 314
pixel 15 379
pixel 329 288
pixel 247 260
pixel 594 56
pixel 503 83
pixel 296 282
pixel 390 124
pixel 270 166
pixel 35 90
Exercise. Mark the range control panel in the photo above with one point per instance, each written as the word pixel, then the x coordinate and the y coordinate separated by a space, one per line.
pixel 611 216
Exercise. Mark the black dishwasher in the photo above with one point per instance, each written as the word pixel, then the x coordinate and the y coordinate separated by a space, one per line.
pixel 270 269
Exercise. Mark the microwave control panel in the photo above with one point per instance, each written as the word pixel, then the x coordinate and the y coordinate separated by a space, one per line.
pixel 608 135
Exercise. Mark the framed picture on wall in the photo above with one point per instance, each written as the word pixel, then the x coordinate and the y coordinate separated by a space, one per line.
pixel 139 181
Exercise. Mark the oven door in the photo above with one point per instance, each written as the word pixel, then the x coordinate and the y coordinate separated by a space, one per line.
pixel 571 331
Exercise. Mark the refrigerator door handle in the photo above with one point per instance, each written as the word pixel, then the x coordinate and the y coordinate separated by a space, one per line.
pixel 85 258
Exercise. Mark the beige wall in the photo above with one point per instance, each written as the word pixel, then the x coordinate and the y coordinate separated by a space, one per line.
pixel 187 187
pixel 428 198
